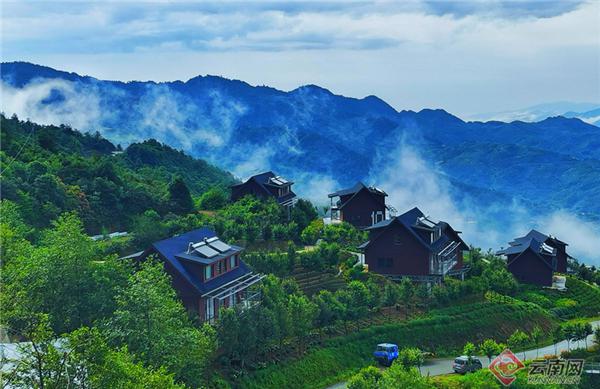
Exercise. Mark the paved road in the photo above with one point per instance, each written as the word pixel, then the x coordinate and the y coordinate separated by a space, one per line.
pixel 439 366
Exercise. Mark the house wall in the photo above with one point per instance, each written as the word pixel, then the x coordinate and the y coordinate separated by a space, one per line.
pixel 247 188
pixel 528 268
pixel 358 211
pixel 561 256
pixel 454 236
pixel 408 256
pixel 185 291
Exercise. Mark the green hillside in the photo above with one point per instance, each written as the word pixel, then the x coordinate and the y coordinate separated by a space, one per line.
pixel 48 170
pixel 442 331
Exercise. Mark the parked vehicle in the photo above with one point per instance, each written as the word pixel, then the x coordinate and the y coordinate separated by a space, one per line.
pixel 464 364
pixel 386 353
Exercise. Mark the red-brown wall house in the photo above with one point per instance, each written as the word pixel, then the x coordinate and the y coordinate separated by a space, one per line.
pixel 527 267
pixel 358 210
pixel 395 242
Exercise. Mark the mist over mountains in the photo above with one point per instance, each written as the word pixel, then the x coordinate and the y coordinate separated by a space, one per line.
pixel 492 179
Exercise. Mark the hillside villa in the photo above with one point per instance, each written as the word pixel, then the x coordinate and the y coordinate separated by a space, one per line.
pixel 206 272
pixel 413 245
pixel 535 257
pixel 362 206
pixel 264 186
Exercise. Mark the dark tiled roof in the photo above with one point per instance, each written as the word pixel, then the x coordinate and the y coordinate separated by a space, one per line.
pixel 531 244
pixel 355 189
pixel 170 249
pixel 263 180
pixel 409 220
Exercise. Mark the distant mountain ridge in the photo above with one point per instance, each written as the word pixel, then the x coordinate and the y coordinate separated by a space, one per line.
pixel 322 140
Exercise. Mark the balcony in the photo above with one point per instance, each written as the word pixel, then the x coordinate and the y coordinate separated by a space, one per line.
pixel 445 259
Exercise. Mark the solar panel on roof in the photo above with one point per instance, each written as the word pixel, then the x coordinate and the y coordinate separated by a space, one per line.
pixel 282 180
pixel 547 248
pixel 206 251
pixel 426 222
pixel 220 246
pixel 212 239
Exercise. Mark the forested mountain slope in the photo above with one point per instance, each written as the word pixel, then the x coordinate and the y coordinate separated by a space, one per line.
pixel 48 170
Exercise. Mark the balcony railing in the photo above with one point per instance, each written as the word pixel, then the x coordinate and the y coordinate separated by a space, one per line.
pixel 445 259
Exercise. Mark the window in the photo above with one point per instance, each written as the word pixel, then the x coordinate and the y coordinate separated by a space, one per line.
pixel 384 262
pixel 220 267
pixel 232 261
pixel 207 272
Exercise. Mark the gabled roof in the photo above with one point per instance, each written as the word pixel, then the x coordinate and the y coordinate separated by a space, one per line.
pixel 355 189
pixel 535 234
pixel 533 245
pixel 523 244
pixel 270 179
pixel 410 220
pixel 174 251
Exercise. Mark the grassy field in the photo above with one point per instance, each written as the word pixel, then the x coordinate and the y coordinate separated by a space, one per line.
pixel 442 331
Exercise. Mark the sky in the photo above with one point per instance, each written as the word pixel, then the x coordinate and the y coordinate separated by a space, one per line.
pixel 467 57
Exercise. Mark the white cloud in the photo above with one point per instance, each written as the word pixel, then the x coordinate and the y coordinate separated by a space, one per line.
pixel 583 237
pixel 410 181
pixel 465 57
pixel 79 109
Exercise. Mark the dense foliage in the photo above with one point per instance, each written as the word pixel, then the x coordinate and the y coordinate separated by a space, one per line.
pixel 66 297
pixel 48 170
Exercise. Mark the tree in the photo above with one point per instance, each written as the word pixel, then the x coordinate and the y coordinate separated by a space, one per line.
pixel 180 200
pixel 356 300
pixel 302 314
pixel 303 213
pixel 214 198
pixel 398 377
pixel 62 278
pixel 469 350
pixel 367 378
pixel 407 292
pixel 291 256
pixel 312 232
pixel 154 325
pixel 558 334
pixel 148 228
pixel 329 309
pixel 229 332
pixel 586 331
pixel 93 364
pixel 536 336
pixel 518 339
pixel 41 363
pixel 411 357
pixel 391 294
pixel 498 278
pixel 579 332
pixel 489 348
pixel 14 233
pixel 344 234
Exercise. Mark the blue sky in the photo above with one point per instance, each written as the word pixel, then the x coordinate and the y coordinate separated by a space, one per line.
pixel 467 57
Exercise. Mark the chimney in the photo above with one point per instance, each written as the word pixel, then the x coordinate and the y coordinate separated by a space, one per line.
pixel 190 248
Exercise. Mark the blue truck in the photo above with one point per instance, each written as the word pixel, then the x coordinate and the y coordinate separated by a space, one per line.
pixel 385 353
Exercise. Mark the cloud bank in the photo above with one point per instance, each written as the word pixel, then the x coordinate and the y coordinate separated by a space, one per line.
pixel 411 181
pixel 467 57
